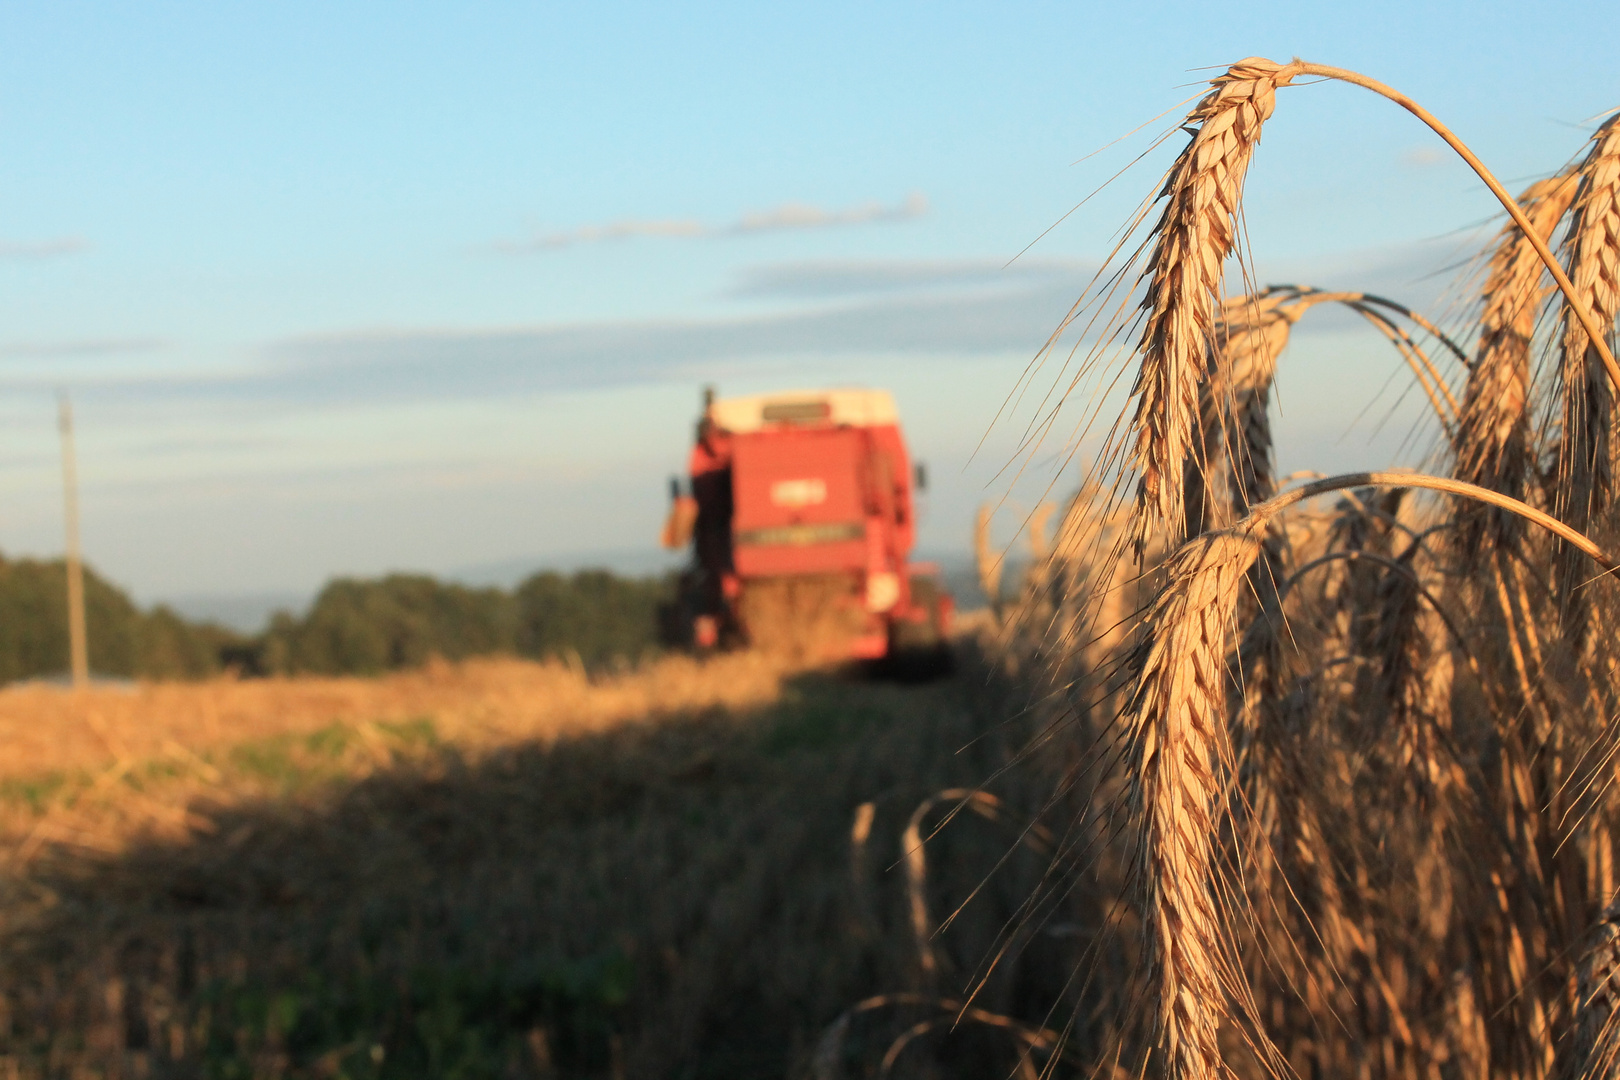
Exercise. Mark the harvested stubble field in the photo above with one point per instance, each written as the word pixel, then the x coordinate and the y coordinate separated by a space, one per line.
pixel 499 868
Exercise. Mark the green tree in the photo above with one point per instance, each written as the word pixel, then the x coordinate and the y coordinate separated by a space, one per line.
pixel 368 627
pixel 594 613
pixel 124 641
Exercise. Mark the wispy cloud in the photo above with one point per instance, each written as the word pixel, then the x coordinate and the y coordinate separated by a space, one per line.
pixel 1424 157
pixel 52 350
pixel 24 250
pixel 788 216
pixel 824 278
pixel 947 309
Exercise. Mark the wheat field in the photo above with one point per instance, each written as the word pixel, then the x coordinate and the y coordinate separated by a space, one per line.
pixel 495 868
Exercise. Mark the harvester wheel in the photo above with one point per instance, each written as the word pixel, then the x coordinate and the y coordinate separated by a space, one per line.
pixel 920 649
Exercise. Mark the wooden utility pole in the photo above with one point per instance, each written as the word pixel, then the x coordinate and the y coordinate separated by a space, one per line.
pixel 78 646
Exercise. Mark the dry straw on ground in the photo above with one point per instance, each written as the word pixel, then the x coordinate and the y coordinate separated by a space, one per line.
pixel 44 730
pixel 501 869
pixel 77 750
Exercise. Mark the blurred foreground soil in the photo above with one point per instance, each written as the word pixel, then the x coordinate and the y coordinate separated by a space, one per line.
pixel 498 868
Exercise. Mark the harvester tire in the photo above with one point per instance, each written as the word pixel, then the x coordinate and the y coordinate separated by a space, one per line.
pixel 920 649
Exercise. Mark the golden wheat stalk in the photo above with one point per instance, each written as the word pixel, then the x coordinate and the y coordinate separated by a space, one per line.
pixel 1194 235
pixel 1593 1048
pixel 1251 374
pixel 916 859
pixel 1414 673
pixel 1175 723
pixel 1234 411
pixel 1592 247
pixel 1376 310
pixel 1576 306
pixel 1493 435
pixel 1234 402
pixel 1178 752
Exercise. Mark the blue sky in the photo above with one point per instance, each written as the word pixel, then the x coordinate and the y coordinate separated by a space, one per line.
pixel 344 288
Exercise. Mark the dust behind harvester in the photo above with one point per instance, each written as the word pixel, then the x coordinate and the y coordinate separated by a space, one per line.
pixel 801 513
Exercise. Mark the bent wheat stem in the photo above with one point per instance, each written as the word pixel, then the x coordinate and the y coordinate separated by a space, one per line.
pixel 1582 312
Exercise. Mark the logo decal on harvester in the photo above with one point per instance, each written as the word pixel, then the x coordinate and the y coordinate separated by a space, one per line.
pixel 796 493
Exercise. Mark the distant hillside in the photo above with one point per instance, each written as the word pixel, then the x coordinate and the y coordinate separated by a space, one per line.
pixel 961 576
pixel 250 613
pixel 246 613
pixel 648 562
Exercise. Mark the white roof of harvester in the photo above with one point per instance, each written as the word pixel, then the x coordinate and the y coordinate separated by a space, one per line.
pixel 858 408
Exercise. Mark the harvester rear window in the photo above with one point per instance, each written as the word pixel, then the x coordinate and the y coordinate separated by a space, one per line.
pixel 802 535
pixel 796 412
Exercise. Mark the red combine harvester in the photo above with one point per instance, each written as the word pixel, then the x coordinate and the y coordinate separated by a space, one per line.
pixel 801 515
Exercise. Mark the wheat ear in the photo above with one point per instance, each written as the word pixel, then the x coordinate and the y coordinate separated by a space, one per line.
pixel 1191 241
pixel 1175 723
pixel 1235 414
pixel 1592 248
pixel 1234 421
pixel 1493 435
pixel 1593 1048
pixel 1177 750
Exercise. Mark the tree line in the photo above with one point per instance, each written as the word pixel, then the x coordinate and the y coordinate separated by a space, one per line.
pixel 354 627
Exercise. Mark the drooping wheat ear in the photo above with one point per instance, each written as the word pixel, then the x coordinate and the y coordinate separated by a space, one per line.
pixel 1176 726
pixel 1230 469
pixel 1592 250
pixel 1191 241
pixel 1593 1046
pixel 1177 753
pixel 1251 365
pixel 1234 472
pixel 1493 436
pixel 1194 235
pixel 1367 523
pixel 1251 340
pixel 1234 414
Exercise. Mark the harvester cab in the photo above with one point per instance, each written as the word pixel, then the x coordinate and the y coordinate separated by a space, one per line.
pixel 800 509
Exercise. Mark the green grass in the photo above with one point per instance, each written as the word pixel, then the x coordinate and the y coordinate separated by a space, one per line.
pixel 443 1022
pixel 282 764
pixel 810 721
pixel 33 793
